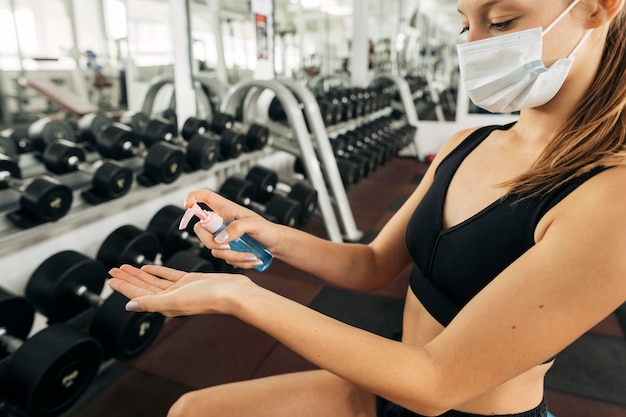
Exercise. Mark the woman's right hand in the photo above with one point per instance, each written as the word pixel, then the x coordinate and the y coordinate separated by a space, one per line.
pixel 242 220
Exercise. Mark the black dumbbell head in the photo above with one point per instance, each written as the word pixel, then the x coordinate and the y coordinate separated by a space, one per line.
pixel 202 152
pixel 17 315
pixel 164 163
pixel 53 285
pixel 194 126
pixel 239 190
pixel 8 147
pixel 164 224
pixel 221 122
pixel 257 137
pixel 128 245
pixel 51 370
pixel 118 141
pixel 265 181
pixel 137 121
pixel 46 199
pixel 111 180
pixel 124 335
pixel 92 125
pixel 61 158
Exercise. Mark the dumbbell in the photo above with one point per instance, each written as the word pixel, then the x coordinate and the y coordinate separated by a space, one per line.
pixel 331 113
pixel 170 115
pixel 46 131
pixel 350 172
pixel 181 248
pixel 107 179
pixel 18 135
pixel 278 209
pixel 202 151
pixel 37 200
pixel 8 147
pixel 162 162
pixel 352 145
pixel 256 136
pixel 129 244
pixel 91 126
pixel 269 185
pixel 46 374
pixel 69 283
pixel 342 154
pixel 136 120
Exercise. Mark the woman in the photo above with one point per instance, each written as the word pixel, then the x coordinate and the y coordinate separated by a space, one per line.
pixel 516 236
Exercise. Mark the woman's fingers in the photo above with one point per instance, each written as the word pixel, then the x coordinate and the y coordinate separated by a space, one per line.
pixel 238 259
pixel 134 282
pixel 226 208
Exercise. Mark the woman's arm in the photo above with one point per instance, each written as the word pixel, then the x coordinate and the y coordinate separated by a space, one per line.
pixel 570 280
pixel 348 265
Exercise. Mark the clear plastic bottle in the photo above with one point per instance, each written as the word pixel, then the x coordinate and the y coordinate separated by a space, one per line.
pixel 214 223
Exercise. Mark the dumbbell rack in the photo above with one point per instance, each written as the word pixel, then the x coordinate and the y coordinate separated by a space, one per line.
pixel 85 223
pixel 297 132
pixel 249 92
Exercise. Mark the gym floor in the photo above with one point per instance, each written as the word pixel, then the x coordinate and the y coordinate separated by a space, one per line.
pixel 587 380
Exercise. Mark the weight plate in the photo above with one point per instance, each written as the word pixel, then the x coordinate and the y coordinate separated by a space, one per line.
pixel 52 287
pixel 128 245
pixel 51 370
pixel 112 180
pixel 164 162
pixel 61 158
pixel 202 152
pixel 46 200
pixel 194 126
pixel 124 335
pixel 118 141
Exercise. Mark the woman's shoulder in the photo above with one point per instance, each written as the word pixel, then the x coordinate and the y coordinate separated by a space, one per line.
pixel 599 200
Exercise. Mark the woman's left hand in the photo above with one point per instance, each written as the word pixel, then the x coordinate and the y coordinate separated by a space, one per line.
pixel 174 293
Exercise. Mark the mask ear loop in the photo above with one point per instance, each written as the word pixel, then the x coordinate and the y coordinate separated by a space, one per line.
pixel 558 19
pixel 582 41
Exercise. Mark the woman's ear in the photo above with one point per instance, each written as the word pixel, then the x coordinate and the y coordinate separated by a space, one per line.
pixel 602 11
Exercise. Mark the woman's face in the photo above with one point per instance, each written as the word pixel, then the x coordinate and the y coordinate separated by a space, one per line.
pixel 483 19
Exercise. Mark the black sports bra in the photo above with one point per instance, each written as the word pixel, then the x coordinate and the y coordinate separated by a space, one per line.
pixel 451 266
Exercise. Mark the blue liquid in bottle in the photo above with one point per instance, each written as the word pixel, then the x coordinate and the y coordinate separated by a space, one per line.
pixel 214 223
pixel 246 243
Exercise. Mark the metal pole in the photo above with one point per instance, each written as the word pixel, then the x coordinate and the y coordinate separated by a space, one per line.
pixel 183 77
pixel 360 49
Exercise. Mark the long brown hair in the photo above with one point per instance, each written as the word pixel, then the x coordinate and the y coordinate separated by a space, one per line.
pixel 595 133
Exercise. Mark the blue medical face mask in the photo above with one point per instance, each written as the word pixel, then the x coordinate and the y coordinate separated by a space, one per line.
pixel 506 73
